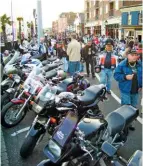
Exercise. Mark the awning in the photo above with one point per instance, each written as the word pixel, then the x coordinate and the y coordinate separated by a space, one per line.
pixel 132 27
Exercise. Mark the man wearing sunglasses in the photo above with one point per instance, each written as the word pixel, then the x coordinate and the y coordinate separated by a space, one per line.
pixel 129 75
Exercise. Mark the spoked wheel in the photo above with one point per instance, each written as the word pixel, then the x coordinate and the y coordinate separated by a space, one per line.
pixel 9 113
pixel 5 98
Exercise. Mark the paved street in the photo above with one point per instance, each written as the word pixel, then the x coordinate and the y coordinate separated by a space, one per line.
pixel 13 143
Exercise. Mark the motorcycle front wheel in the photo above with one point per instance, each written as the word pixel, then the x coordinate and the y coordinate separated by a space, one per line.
pixel 28 146
pixel 9 112
pixel 5 98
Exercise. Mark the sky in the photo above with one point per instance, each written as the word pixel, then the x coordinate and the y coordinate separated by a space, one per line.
pixel 50 9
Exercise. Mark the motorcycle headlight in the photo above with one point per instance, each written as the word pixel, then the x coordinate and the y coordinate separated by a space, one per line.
pixel 57 100
pixel 17 79
pixel 54 148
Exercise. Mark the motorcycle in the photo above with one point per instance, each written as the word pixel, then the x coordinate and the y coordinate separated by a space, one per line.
pixel 32 86
pixel 50 112
pixel 83 140
pixel 10 93
pixel 21 68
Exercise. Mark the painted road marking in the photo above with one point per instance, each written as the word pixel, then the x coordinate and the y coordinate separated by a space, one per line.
pixel 20 131
pixel 119 100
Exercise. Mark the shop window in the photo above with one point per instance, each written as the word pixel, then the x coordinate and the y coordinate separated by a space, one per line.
pixel 140 18
pixel 131 33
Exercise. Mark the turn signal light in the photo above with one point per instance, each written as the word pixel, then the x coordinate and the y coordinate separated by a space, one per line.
pixel 21 86
pixel 53 120
pixel 10 75
pixel 31 102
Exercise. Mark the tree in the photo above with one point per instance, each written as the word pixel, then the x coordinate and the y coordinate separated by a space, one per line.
pixel 4 20
pixel 19 19
pixel 29 27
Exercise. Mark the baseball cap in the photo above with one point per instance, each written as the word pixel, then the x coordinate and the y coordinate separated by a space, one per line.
pixel 109 42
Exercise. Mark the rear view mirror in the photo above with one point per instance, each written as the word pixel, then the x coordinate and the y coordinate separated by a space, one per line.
pixel 109 149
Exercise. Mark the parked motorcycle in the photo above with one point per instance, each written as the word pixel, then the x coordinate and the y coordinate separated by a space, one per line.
pixel 13 112
pixel 85 140
pixel 50 112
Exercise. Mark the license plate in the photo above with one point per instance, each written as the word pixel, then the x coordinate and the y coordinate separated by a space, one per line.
pixel 36 108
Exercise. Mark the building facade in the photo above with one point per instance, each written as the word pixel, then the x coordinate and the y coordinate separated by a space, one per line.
pixel 62 24
pixel 65 23
pixel 103 17
pixel 132 19
pixel 55 27
pixel 79 23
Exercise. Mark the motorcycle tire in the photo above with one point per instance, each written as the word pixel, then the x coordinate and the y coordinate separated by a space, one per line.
pixel 28 146
pixel 5 98
pixel 4 111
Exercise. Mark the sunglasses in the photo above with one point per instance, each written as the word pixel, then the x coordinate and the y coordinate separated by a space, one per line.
pixel 134 54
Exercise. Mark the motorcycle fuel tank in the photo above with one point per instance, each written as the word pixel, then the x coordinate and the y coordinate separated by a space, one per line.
pixel 90 125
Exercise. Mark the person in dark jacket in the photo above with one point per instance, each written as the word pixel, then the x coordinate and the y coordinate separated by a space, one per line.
pixel 129 76
pixel 89 53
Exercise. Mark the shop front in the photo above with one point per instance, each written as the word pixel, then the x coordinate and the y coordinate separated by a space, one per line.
pixel 133 32
pixel 97 30
pixel 112 30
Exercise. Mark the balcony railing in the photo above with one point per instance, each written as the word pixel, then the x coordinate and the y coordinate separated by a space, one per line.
pixel 111 13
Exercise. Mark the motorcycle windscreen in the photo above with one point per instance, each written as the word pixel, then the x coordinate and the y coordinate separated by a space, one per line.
pixel 53 150
pixel 65 130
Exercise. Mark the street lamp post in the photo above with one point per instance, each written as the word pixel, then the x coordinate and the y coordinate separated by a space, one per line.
pixel 39 18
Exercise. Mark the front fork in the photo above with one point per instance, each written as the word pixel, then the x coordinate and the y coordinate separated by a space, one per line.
pixel 24 105
pixel 44 126
pixel 42 135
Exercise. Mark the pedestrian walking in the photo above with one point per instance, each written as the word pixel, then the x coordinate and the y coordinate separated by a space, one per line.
pixel 73 51
pixel 89 53
pixel 107 63
pixel 129 76
pixel 61 53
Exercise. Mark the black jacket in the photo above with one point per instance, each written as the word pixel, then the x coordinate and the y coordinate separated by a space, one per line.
pixel 85 52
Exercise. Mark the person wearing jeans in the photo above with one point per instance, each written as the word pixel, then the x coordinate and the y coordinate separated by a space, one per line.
pixel 129 76
pixel 107 63
pixel 106 76
pixel 73 52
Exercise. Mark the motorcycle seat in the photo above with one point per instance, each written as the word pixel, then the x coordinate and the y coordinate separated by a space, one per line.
pixel 120 118
pixel 62 87
pixel 45 62
pixel 50 67
pixel 52 59
pixel 91 94
pixel 49 60
pixel 51 74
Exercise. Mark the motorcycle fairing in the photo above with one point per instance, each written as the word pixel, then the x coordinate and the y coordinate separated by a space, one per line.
pixel 61 137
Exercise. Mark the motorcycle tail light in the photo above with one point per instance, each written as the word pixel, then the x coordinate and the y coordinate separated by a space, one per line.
pixel 53 120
